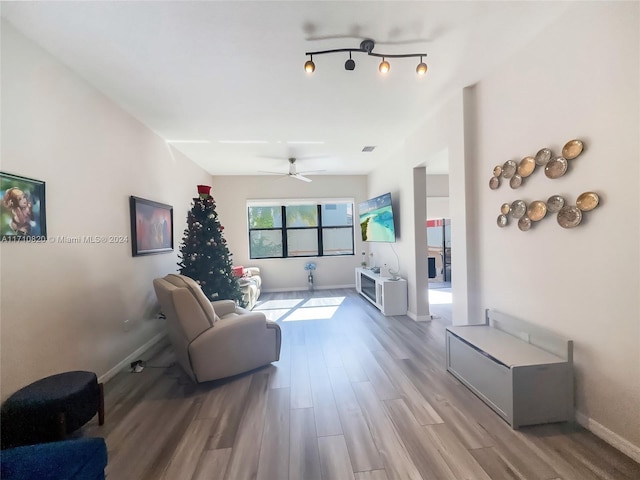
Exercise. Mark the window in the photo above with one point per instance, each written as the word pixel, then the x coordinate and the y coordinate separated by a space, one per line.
pixel 292 228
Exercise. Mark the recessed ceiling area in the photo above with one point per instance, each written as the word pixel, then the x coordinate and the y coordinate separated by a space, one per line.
pixel 225 81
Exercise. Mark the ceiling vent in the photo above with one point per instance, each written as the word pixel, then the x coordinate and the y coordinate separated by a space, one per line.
pixel 368 149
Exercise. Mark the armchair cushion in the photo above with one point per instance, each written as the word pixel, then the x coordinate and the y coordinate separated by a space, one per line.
pixel 196 291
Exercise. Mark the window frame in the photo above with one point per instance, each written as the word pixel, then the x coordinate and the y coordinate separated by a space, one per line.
pixel 283 204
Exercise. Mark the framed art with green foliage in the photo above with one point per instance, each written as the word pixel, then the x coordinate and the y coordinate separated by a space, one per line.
pixel 22 209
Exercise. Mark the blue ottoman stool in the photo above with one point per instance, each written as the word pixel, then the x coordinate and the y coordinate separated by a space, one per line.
pixel 78 459
pixel 49 409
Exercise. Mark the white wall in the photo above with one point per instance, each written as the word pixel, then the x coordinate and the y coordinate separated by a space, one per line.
pixel 438 196
pixel 442 132
pixel 231 194
pixel 584 283
pixel 63 305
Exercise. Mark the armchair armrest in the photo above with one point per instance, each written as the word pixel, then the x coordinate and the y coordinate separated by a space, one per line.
pixel 252 271
pixel 223 307
pixel 235 344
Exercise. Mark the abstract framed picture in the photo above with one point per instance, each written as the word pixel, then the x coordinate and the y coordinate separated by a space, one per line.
pixel 151 227
pixel 22 209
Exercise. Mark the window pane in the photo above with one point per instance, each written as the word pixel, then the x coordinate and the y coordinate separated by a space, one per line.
pixel 337 241
pixel 265 217
pixel 302 216
pixel 337 215
pixel 265 243
pixel 302 243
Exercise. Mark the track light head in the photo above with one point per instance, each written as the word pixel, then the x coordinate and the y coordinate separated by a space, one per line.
pixel 349 64
pixel 421 69
pixel 384 66
pixel 309 66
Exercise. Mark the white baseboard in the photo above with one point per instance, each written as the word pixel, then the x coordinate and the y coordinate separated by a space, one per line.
pixel 125 362
pixel 612 438
pixel 419 318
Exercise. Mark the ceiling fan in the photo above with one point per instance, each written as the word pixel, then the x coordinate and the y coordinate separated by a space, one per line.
pixel 293 171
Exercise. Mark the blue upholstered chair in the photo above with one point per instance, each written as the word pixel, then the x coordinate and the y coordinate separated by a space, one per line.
pixel 77 459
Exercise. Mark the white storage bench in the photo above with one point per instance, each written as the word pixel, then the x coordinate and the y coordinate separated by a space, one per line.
pixel 520 370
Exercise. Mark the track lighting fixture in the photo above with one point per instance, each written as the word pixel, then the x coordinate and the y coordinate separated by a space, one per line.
pixel 384 66
pixel 349 64
pixel 309 66
pixel 421 69
pixel 366 46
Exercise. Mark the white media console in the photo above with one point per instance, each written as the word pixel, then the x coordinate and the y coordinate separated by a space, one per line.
pixel 523 372
pixel 389 295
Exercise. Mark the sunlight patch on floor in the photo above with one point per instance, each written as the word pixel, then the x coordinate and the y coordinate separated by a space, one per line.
pixel 323 302
pixel 311 313
pixel 439 297
pixel 299 309
pixel 275 304
pixel 275 314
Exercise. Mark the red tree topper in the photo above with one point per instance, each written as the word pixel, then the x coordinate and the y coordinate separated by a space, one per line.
pixel 204 190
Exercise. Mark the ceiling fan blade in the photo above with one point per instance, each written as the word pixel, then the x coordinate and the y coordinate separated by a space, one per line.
pixel 300 177
pixel 311 171
pixel 271 173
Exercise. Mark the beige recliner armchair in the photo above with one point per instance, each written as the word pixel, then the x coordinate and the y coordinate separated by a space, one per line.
pixel 214 339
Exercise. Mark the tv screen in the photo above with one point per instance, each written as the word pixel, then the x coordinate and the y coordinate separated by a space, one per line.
pixel 376 219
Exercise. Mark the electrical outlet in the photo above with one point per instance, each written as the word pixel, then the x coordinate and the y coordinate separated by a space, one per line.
pixel 126 324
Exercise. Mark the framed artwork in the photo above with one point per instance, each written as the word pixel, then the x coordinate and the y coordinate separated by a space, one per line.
pixel 22 209
pixel 151 227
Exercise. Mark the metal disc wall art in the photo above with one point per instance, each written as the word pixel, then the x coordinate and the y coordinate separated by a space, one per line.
pixel 543 156
pixel 515 181
pixel 569 216
pixel 509 169
pixel 587 201
pixel 555 203
pixel 572 149
pixel 524 223
pixel 526 166
pixel 537 210
pixel 518 209
pixel 556 167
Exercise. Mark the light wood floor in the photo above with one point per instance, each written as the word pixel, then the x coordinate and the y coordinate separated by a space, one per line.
pixel 356 395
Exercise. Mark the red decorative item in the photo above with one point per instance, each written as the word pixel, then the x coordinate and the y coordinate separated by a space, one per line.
pixel 238 271
pixel 204 191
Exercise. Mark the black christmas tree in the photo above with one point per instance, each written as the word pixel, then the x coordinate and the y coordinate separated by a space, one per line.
pixel 204 255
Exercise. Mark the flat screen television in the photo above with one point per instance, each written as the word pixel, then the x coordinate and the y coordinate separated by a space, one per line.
pixel 376 219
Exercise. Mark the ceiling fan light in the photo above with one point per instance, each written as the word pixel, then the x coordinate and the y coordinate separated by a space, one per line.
pixel 421 69
pixel 384 66
pixel 309 66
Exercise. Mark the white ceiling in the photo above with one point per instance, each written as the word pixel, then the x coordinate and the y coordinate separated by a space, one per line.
pixel 233 71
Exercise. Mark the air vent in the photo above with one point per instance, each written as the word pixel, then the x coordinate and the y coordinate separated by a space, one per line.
pixel 368 149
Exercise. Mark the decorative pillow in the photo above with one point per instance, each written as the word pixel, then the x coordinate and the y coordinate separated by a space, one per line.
pixel 196 291
pixel 238 271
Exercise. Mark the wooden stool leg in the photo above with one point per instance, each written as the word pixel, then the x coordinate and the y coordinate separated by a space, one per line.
pixel 101 405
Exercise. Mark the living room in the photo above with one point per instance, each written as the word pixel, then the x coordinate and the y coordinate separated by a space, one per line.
pixel 64 306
